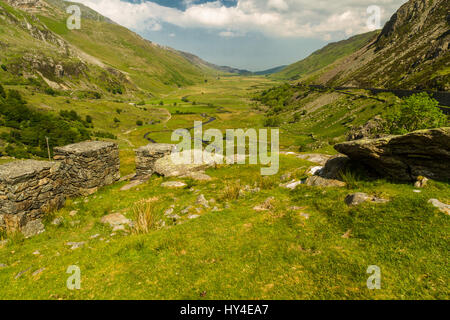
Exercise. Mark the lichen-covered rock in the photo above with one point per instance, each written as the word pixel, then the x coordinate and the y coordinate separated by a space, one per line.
pixel 146 157
pixel 405 157
pixel 89 165
pixel 316 181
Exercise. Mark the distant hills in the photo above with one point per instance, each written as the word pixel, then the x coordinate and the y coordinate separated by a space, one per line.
pixel 411 52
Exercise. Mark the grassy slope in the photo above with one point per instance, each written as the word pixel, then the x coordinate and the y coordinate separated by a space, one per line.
pixel 148 66
pixel 238 253
pixel 324 57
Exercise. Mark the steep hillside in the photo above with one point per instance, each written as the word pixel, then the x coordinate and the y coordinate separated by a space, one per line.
pixel 324 57
pixel 100 56
pixel 411 52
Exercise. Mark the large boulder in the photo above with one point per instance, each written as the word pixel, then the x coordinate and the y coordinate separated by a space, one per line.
pixel 183 163
pixel 405 157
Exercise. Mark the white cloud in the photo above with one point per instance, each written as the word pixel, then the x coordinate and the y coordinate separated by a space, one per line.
pixel 325 19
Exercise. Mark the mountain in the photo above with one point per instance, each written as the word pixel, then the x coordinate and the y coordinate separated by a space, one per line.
pixel 208 66
pixel 101 56
pixel 269 71
pixel 411 52
pixel 324 57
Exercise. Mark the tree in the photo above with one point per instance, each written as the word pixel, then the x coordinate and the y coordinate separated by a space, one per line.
pixel 416 112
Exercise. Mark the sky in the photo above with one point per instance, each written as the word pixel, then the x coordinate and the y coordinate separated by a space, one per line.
pixel 248 34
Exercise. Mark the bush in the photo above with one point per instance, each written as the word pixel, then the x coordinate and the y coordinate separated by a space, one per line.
pixel 119 111
pixel 116 120
pixel 416 112
pixel 88 119
pixel 161 103
pixel 4 67
pixel 50 91
pixel 272 122
pixel 139 123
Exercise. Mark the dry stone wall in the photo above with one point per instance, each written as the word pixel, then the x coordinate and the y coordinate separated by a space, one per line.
pixel 147 156
pixel 89 166
pixel 29 189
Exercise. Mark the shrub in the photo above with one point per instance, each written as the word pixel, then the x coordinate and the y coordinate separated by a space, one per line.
pixel 50 91
pixel 119 111
pixel 4 67
pixel 231 192
pixel 416 112
pixel 116 120
pixel 88 119
pixel 272 122
pixel 161 103
pixel 139 123
pixel 266 183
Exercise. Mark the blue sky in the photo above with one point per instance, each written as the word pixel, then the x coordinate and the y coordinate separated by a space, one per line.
pixel 247 34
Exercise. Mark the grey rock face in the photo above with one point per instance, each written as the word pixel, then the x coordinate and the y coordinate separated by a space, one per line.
pixel 404 158
pixel 33 228
pixel 445 208
pixel 316 181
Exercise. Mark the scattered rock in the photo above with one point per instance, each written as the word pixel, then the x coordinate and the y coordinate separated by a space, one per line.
pixel 186 210
pixel 201 200
pixel 316 181
pixel 95 236
pixel 421 182
pixel 173 184
pixel 417 191
pixel 75 245
pixel 120 227
pixel 347 234
pixel 21 273
pixel 419 153
pixel 445 208
pixel 3 243
pixel 38 272
pixel 198 176
pixel 356 199
pixel 57 221
pixel 132 184
pixel 370 130
pixel 315 157
pixel 168 211
pixel 115 219
pixel 36 253
pixel 292 184
pixel 33 228
pixel 193 216
pixel 267 205
pixel 73 213
pixel 215 209
pixel 286 176
pixel 2 265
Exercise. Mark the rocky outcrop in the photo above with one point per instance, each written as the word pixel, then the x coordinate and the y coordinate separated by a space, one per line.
pixel 421 153
pixel 370 130
pixel 146 157
pixel 28 189
pixel 89 165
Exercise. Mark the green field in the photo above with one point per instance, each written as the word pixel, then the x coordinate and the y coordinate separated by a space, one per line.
pixel 308 245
